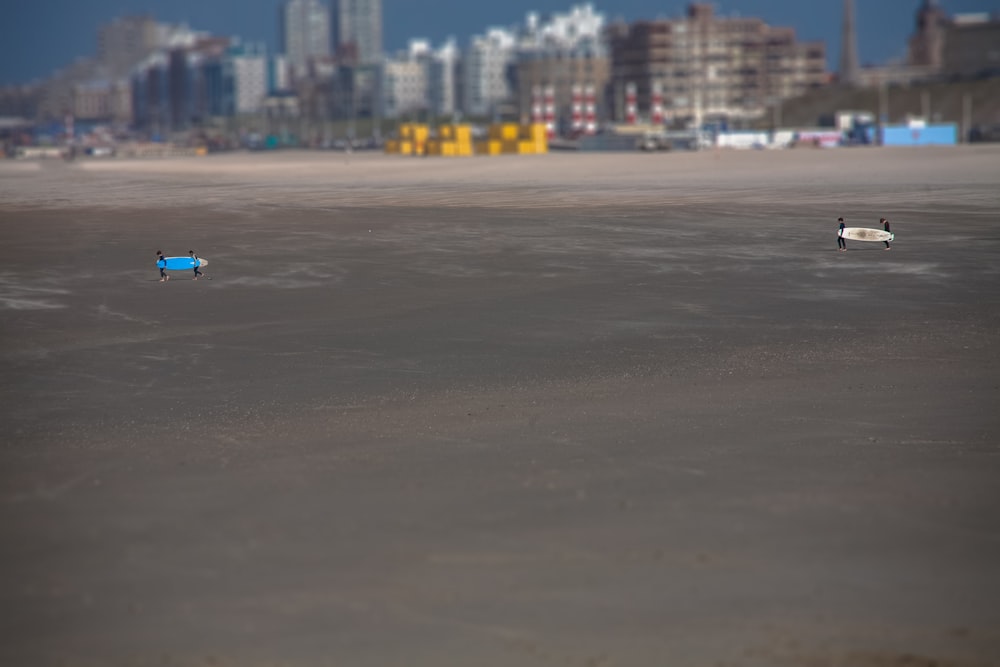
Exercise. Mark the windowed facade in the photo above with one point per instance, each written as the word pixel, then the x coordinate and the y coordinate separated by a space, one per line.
pixel 709 66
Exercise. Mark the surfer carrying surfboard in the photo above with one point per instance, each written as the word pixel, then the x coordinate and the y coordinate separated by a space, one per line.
pixel 885 225
pixel 161 262
pixel 197 263
pixel 841 241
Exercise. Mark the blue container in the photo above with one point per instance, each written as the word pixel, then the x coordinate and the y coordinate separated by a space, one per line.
pixel 928 135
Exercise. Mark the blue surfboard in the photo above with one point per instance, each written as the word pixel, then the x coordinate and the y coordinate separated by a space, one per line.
pixel 180 263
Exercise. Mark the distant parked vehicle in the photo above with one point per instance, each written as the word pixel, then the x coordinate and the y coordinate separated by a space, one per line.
pixel 985 133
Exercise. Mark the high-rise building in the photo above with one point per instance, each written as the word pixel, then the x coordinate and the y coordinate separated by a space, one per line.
pixel 151 93
pixel 442 80
pixel 357 30
pixel 124 42
pixel 705 66
pixel 250 73
pixel 216 77
pixel 404 81
pixel 304 32
pixel 486 72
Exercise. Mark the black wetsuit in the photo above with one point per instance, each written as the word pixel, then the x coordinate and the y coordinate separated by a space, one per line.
pixel 161 262
pixel 841 242
pixel 887 229
pixel 197 271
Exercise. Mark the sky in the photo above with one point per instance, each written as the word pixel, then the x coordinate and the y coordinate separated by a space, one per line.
pixel 41 36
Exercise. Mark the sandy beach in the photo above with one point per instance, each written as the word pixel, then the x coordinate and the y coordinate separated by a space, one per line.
pixel 570 409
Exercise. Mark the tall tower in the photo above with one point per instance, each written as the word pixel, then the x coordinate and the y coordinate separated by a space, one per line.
pixel 304 31
pixel 849 47
pixel 358 30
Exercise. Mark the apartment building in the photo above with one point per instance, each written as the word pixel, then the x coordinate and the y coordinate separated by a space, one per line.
pixel 357 30
pixel 103 100
pixel 486 71
pixel 972 46
pixel 125 41
pixel 405 81
pixel 304 32
pixel 708 66
pixel 563 58
pixel 178 89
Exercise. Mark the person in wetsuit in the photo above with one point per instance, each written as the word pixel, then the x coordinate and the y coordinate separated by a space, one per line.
pixel 161 262
pixel 197 263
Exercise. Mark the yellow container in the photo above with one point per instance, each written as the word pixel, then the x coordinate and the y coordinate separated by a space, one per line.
pixel 414 132
pixel 448 148
pixel 406 147
pixel 463 133
pixel 488 147
pixel 534 132
pixel 504 131
pixel 526 147
pixel 446 132
pixel 463 148
pixel 537 134
pixel 510 147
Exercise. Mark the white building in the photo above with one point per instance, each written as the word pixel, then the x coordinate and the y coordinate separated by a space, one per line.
pixel 442 84
pixel 489 64
pixel 304 32
pixel 405 81
pixel 486 71
pixel 250 80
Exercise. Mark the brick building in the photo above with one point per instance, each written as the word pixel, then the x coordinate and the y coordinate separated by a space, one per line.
pixel 960 46
pixel 706 66
pixel 972 46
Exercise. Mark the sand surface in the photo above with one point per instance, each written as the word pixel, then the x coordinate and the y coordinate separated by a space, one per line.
pixel 594 410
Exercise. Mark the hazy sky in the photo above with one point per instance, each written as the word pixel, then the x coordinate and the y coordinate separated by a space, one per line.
pixel 41 36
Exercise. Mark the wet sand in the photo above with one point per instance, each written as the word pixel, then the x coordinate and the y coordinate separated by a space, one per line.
pixel 594 410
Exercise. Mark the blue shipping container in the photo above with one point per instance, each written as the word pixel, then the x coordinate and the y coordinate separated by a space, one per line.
pixel 929 135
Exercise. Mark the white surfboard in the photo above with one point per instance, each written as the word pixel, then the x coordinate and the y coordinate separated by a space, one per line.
pixel 866 234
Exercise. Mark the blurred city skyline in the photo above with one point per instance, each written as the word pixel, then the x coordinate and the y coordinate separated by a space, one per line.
pixel 51 34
